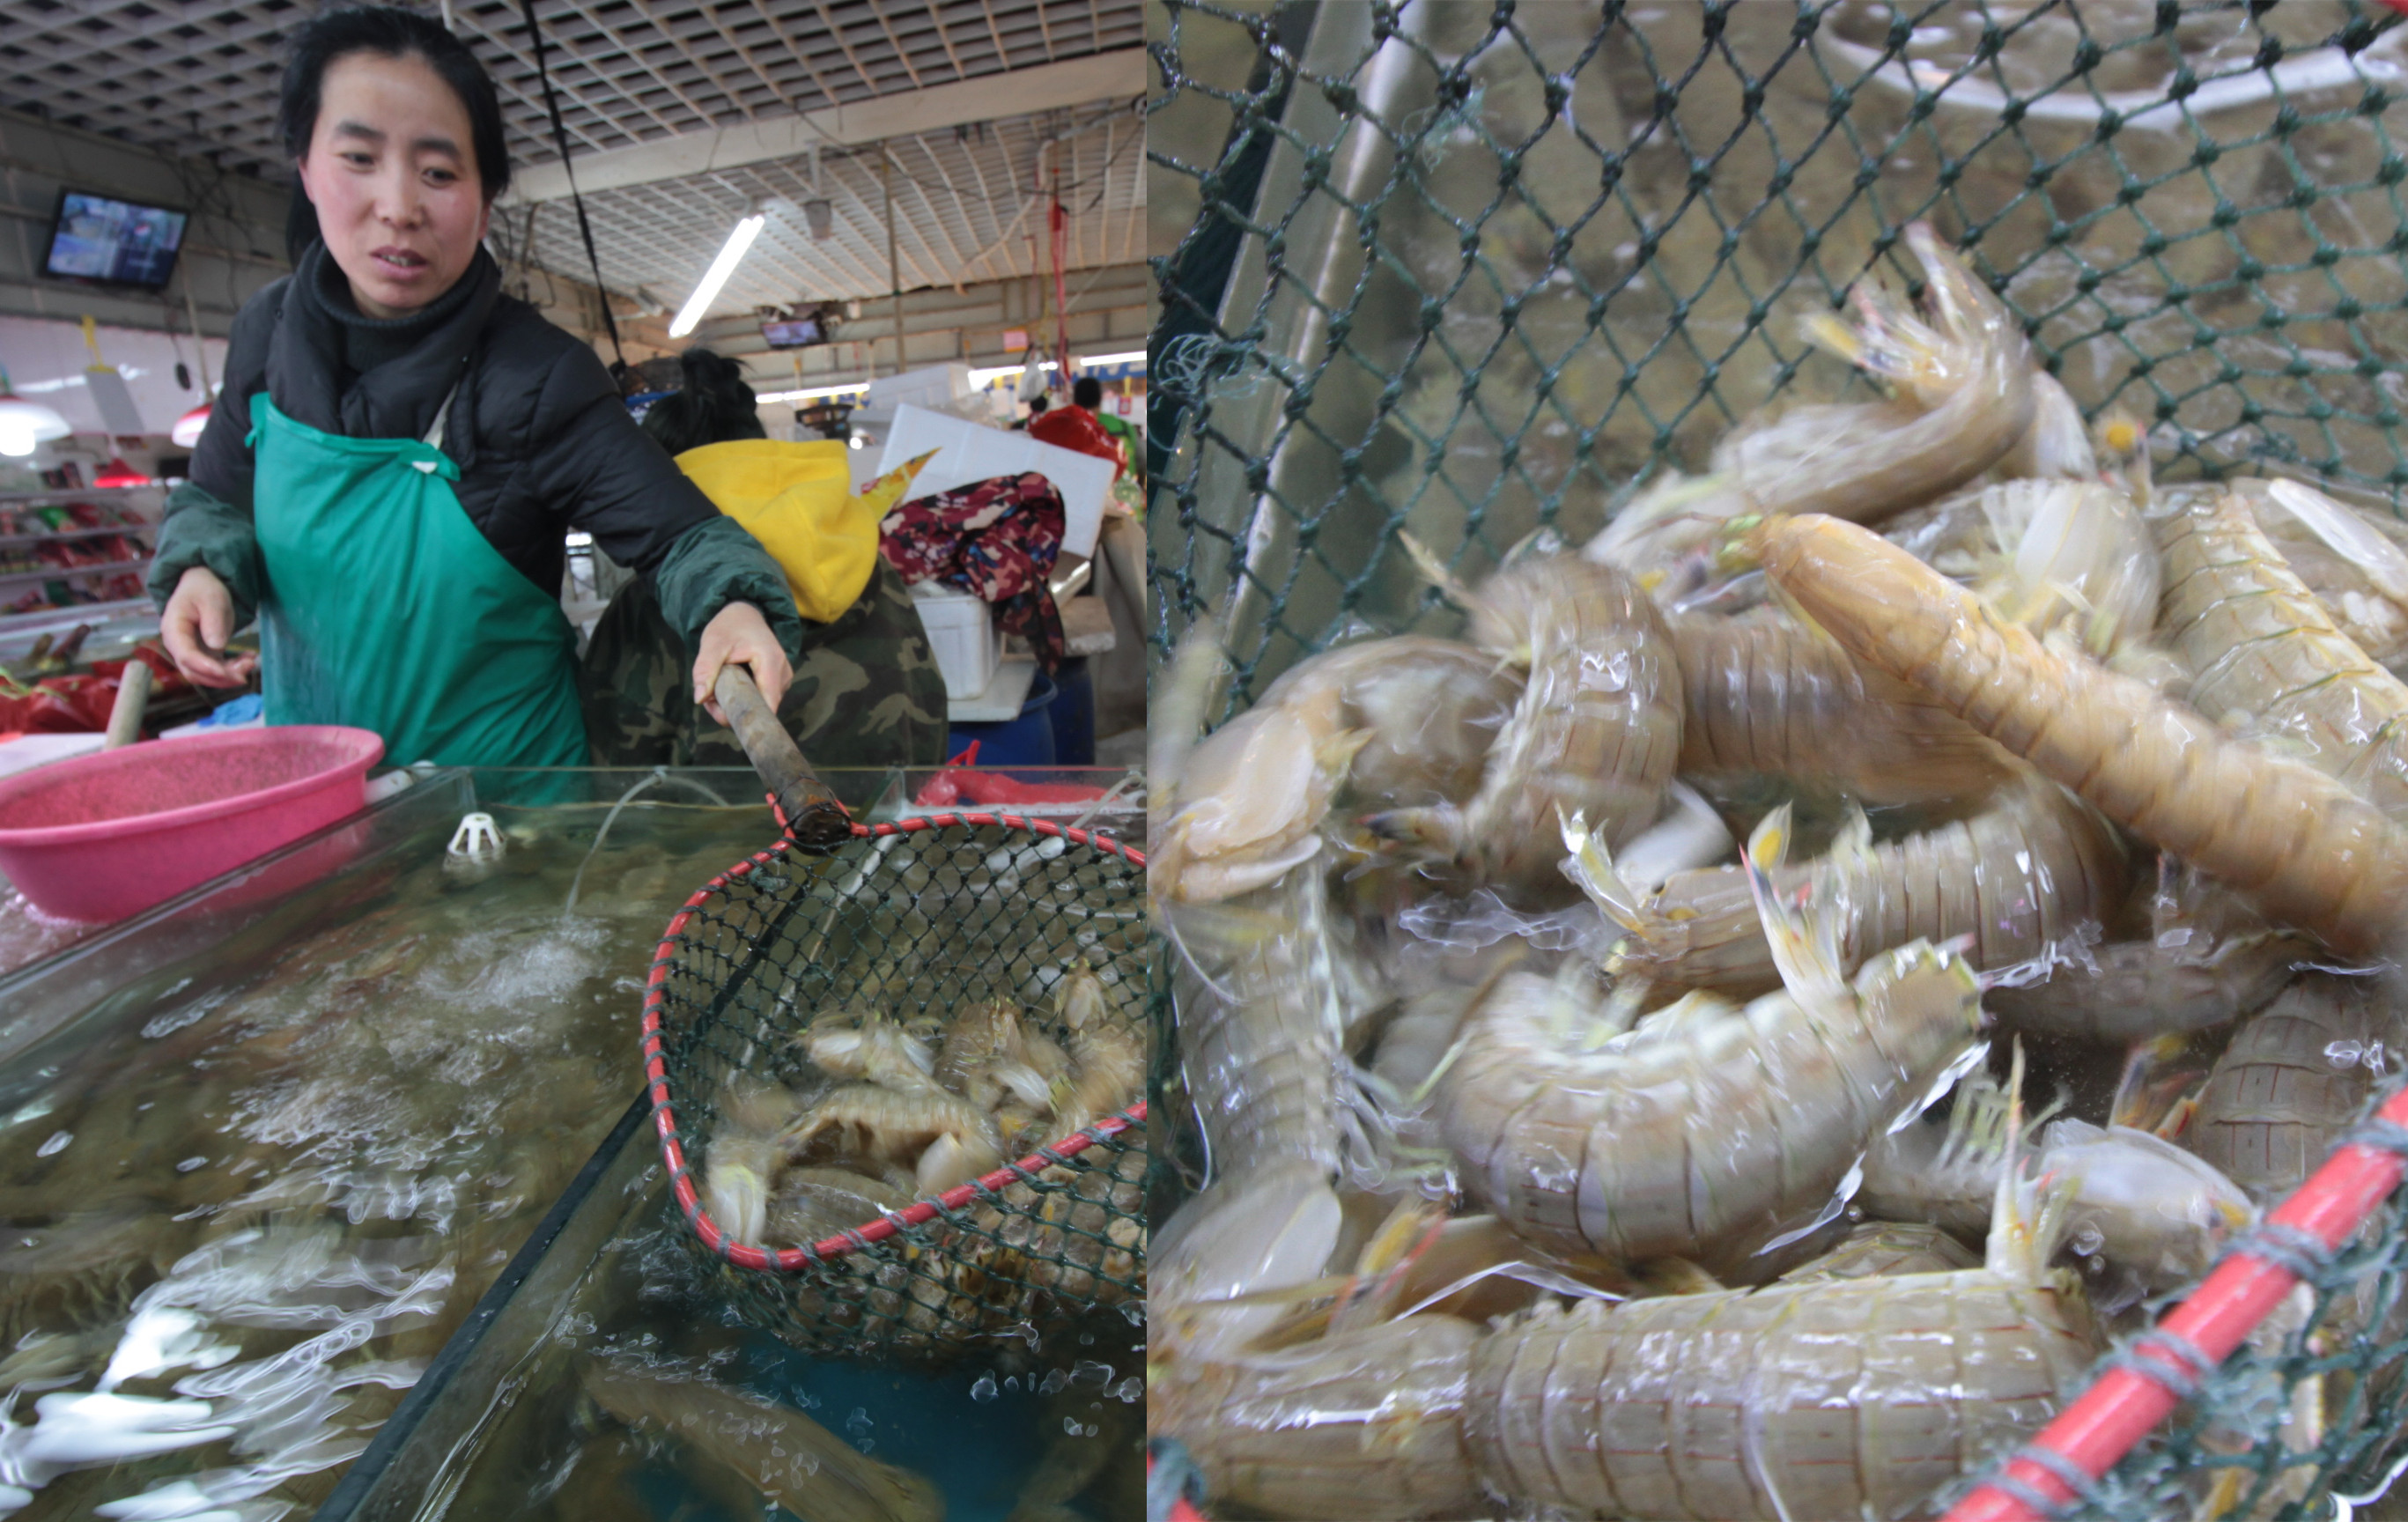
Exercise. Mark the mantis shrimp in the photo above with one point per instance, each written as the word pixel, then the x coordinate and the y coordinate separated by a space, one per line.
pixel 1808 1397
pixel 2293 1079
pixel 1596 729
pixel 1834 1392
pixel 2017 877
pixel 2302 847
pixel 1405 721
pixel 2262 648
pixel 1567 1132
pixel 1765 693
pixel 1961 376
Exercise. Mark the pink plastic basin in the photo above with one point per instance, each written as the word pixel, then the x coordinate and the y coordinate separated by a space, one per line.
pixel 102 837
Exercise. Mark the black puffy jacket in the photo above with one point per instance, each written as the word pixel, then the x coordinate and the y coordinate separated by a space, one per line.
pixel 543 443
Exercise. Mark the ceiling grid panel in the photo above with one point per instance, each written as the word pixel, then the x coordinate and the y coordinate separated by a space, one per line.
pixel 199 79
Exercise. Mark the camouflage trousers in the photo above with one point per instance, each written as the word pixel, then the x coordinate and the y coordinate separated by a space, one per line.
pixel 866 692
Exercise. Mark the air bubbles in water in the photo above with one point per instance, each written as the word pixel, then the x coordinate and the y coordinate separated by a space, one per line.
pixel 2087 1241
pixel 56 1145
pixel 984 1389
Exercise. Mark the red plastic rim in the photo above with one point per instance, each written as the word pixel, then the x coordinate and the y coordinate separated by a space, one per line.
pixel 2142 1388
pixel 656 1076
pixel 346 748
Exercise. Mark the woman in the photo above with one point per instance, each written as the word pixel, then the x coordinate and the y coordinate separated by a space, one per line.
pixel 400 450
pixel 867 691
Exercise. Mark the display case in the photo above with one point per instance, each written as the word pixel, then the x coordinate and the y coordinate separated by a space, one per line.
pixel 82 551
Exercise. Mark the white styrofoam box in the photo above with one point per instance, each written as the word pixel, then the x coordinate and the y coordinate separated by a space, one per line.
pixel 30 750
pixel 962 635
pixel 929 384
pixel 965 451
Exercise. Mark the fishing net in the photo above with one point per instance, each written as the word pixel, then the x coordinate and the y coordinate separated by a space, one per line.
pixel 913 922
pixel 1463 272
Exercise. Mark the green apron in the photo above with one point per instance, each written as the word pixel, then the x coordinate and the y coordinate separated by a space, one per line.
pixel 385 609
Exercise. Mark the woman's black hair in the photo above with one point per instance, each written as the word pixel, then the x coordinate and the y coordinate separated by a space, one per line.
pixel 395 34
pixel 713 406
pixel 1087 392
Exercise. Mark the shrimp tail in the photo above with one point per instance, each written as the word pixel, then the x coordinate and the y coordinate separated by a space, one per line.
pixel 1591 870
pixel 1957 301
pixel 2384 563
pixel 1801 927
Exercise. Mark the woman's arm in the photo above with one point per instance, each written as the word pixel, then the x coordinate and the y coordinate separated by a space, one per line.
pixel 718 588
pixel 205 571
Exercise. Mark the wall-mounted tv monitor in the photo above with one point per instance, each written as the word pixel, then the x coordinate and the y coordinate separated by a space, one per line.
pixel 112 242
pixel 801 333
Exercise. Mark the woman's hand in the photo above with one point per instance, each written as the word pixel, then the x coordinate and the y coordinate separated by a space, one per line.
pixel 198 621
pixel 739 635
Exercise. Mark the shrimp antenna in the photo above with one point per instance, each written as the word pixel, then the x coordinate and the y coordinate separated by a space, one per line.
pixel 1181 700
pixel 2026 1217
pixel 1434 570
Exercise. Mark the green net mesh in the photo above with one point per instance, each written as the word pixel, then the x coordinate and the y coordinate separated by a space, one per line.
pixel 1464 271
pixel 916 929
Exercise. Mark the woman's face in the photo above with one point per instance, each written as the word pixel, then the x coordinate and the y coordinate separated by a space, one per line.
pixel 392 174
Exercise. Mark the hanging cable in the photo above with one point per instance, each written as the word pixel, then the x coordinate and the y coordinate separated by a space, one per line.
pixel 560 140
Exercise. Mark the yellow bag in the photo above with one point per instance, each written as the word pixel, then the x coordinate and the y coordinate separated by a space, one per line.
pixel 794 498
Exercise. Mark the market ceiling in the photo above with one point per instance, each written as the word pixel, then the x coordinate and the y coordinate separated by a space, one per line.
pixel 682 119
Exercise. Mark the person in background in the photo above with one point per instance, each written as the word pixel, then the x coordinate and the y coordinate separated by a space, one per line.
pixel 1077 426
pixel 400 450
pixel 866 692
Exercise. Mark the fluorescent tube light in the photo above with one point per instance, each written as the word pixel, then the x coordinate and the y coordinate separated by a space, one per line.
pixel 982 378
pixel 1135 356
pixel 814 392
pixel 716 276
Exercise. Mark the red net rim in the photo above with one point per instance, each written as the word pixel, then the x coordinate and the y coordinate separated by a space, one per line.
pixel 2093 1433
pixel 656 1079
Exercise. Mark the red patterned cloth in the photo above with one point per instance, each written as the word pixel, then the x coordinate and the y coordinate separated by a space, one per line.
pixel 997 538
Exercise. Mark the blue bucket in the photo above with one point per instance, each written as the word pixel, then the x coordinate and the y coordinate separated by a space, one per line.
pixel 1025 742
pixel 1074 715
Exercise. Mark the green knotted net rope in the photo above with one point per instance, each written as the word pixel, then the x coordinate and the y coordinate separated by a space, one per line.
pixel 1465 271
pixel 917 928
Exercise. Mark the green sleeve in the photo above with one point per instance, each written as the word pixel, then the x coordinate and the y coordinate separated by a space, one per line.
pixel 715 563
pixel 199 530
